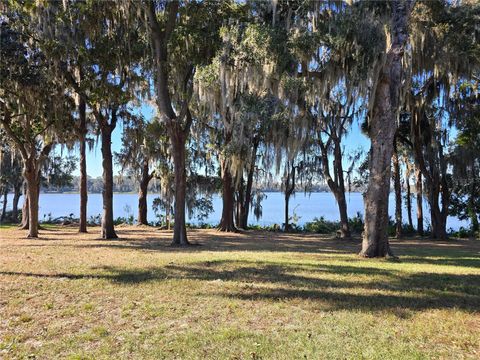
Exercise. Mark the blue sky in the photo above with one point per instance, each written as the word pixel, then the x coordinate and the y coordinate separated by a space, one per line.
pixel 94 156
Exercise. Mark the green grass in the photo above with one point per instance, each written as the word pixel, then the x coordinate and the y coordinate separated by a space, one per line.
pixel 254 295
pixel 12 226
pixel 8 226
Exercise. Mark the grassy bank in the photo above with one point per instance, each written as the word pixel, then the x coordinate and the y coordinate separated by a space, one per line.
pixel 241 296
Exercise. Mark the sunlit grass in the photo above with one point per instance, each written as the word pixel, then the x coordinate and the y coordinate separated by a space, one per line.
pixel 241 296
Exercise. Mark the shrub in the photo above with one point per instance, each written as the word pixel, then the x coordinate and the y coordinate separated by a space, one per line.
pixel 321 226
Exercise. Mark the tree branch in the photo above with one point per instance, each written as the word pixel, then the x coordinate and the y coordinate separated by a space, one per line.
pixel 5 121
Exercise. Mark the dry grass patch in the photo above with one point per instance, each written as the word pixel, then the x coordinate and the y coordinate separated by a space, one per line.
pixel 237 296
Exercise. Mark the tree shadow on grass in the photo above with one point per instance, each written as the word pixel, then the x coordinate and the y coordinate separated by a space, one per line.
pixel 368 288
pixel 116 275
pixel 362 288
pixel 421 251
pixel 241 241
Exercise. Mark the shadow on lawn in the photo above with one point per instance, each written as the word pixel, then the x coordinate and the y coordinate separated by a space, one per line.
pixel 417 250
pixel 363 288
pixel 409 254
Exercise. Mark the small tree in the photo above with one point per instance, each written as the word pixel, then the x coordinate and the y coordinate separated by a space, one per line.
pixel 143 146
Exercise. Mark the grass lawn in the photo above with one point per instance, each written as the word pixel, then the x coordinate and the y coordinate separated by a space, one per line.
pixel 253 295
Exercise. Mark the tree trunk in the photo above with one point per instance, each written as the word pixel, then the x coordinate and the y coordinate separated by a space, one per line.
pixel 398 192
pixel 108 231
pixel 16 197
pixel 382 131
pixel 419 196
pixel 83 168
pixel 178 139
pixel 226 223
pixel 339 192
pixel 286 225
pixel 31 175
pixel 439 222
pixel 4 207
pixel 142 194
pixel 408 195
pixel 25 207
pixel 240 206
pixel 437 186
pixel 337 185
pixel 342 207
pixel 435 175
pixel 289 189
pixel 160 37
pixel 248 190
pixel 242 221
pixel 33 210
pixel 167 216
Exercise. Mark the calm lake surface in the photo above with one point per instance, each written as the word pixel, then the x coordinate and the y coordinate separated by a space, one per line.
pixel 306 206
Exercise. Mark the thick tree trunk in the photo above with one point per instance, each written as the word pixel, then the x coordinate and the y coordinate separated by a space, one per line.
pixel 246 198
pixel 419 198
pixel 375 237
pixel 436 188
pixel 16 198
pixel 32 180
pixel 108 231
pixel 33 210
pixel 142 194
pixel 178 138
pixel 226 223
pixel 142 206
pixel 228 205
pixel 83 168
pixel 398 192
pixel 439 221
pixel 382 131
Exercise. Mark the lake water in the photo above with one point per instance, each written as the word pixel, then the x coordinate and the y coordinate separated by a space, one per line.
pixel 306 206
